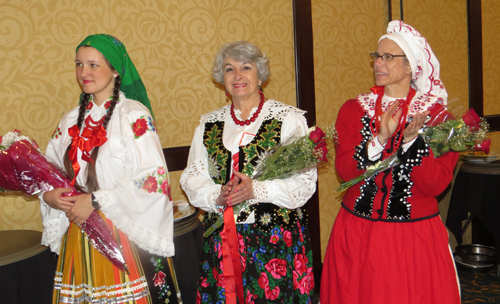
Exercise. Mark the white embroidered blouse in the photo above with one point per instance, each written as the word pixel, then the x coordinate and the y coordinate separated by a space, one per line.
pixel 290 193
pixel 132 176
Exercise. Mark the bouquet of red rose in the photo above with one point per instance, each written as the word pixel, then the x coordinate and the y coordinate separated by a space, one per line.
pixel 443 134
pixel 24 168
pixel 287 159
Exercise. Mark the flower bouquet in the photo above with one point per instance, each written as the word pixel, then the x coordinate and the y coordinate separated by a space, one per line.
pixel 295 155
pixel 24 168
pixel 443 134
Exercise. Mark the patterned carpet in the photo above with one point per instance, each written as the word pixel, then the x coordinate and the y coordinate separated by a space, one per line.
pixel 479 287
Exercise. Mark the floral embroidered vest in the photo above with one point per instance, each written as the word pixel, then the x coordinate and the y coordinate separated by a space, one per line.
pixel 268 136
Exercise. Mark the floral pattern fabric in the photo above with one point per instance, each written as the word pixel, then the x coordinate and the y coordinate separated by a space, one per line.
pixel 276 266
pixel 142 125
pixel 157 181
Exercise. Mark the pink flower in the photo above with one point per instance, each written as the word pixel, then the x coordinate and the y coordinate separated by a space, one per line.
pixel 198 297
pixel 249 297
pixel 204 283
pixel 301 263
pixel 159 278
pixel 165 187
pixel 306 284
pixel 483 146
pixel 287 237
pixel 151 185
pixel 274 239
pixel 140 127
pixel 471 119
pixel 263 280
pixel 272 294
pixel 221 282
pixel 277 268
pixel 161 170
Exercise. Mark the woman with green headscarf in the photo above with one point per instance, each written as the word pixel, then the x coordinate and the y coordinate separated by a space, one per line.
pixel 111 151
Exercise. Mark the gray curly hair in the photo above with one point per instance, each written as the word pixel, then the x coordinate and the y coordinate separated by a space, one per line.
pixel 242 51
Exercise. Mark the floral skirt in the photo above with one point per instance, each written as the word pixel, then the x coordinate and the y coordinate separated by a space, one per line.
pixel 374 262
pixel 276 266
pixel 84 275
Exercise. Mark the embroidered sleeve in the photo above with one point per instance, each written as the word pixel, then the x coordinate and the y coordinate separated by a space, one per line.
pixel 195 180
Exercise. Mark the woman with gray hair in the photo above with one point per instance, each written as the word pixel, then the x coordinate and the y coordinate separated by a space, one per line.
pixel 388 244
pixel 262 255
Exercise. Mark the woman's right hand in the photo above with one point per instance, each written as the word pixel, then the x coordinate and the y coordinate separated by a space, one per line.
pixel 55 199
pixel 389 122
pixel 224 193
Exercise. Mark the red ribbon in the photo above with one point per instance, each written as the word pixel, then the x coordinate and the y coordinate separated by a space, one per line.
pixel 233 278
pixel 96 137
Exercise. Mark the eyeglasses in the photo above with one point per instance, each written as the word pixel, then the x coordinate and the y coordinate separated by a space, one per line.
pixel 385 57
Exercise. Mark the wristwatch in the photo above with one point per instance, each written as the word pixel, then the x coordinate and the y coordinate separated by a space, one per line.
pixel 95 203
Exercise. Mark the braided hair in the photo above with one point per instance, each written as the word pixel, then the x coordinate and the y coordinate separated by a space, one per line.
pixel 92 184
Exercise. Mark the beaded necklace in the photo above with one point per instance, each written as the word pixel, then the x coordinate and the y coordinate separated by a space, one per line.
pixel 254 116
pixel 404 105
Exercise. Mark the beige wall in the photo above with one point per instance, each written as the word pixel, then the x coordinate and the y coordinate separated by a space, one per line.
pixel 173 45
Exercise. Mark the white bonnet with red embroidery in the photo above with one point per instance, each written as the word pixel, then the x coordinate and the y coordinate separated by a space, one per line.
pixel 423 62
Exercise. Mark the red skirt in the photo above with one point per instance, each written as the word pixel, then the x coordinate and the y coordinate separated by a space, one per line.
pixel 384 262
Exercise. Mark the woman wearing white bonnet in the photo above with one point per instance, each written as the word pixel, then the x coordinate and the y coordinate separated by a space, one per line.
pixel 388 243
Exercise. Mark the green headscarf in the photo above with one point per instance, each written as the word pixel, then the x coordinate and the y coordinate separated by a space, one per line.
pixel 116 53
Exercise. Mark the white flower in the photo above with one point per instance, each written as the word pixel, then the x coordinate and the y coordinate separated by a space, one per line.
pixel 11 137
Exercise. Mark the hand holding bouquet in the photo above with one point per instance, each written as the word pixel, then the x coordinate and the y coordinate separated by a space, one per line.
pixel 443 134
pixel 24 168
pixel 295 155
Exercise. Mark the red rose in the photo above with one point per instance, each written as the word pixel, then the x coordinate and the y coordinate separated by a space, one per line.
pixel 90 105
pixel 322 152
pixel 301 263
pixel 277 268
pixel 471 119
pixel 483 146
pixel 287 237
pixel 317 135
pixel 306 284
pixel 272 294
pixel 107 104
pixel 151 185
pixel 139 127
pixel 159 278
pixel 263 280
pixel 204 283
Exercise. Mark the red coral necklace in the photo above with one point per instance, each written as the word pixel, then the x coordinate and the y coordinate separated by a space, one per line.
pixel 254 116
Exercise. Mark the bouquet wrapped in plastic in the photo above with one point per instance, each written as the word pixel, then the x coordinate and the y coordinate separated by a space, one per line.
pixel 24 168
pixel 286 159
pixel 443 133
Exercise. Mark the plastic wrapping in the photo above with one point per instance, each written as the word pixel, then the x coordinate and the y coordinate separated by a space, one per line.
pixel 24 168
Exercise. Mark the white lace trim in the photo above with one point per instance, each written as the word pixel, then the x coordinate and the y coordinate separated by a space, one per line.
pixel 147 240
pixel 260 191
pixel 271 109
pixel 51 236
pixel 420 103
